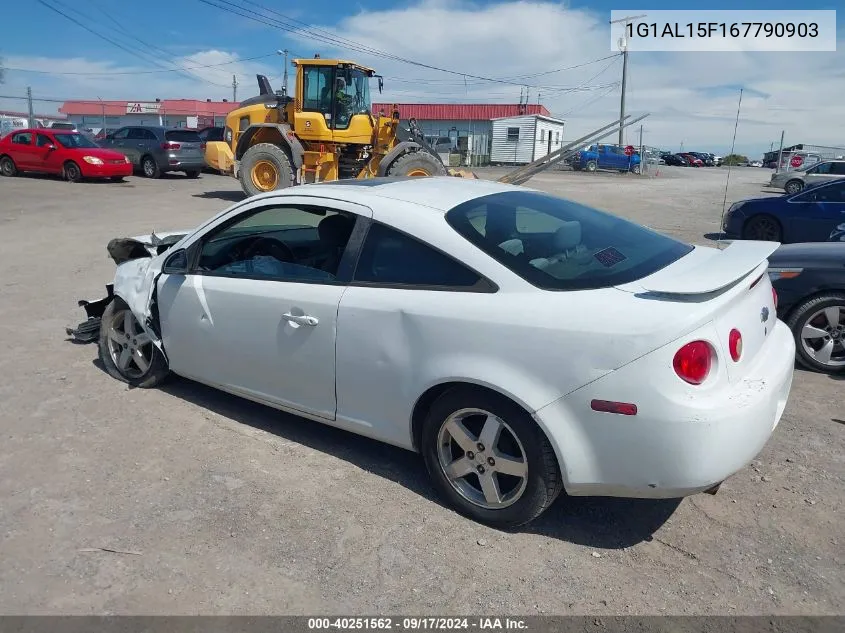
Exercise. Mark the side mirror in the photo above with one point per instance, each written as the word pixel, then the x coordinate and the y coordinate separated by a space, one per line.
pixel 50 147
pixel 176 263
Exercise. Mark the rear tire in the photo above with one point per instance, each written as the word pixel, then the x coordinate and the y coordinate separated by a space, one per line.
pixel 8 167
pixel 810 349
pixel 636 169
pixel 150 167
pixel 793 186
pixel 265 167
pixel 72 172
pixel 150 368
pixel 416 164
pixel 764 228
pixel 520 445
pixel 192 174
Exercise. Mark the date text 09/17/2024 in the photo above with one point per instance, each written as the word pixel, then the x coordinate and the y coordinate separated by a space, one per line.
pixel 488 624
pixel 723 29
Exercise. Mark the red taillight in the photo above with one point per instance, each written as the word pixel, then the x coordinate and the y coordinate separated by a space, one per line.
pixel 170 145
pixel 609 406
pixel 735 344
pixel 692 362
pixel 775 297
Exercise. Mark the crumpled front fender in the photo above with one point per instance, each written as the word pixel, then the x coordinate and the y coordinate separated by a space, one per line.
pixel 134 283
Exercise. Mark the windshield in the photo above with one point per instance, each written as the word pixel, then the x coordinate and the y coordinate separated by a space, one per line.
pixel 75 141
pixel 558 244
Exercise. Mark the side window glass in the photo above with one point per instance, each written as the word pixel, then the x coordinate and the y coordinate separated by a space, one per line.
pixel 822 168
pixel 148 135
pixel 22 138
pixel 831 193
pixel 283 243
pixel 122 134
pixel 317 90
pixel 134 134
pixel 393 258
pixel 837 169
pixel 43 141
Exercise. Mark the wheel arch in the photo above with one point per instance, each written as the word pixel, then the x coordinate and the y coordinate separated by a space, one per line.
pixel 397 151
pixel 276 133
pixel 815 293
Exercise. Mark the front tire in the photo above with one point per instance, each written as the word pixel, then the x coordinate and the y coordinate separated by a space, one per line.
pixel 8 167
pixel 764 228
pixel 591 165
pixel 416 164
pixel 72 172
pixel 793 186
pixel 126 350
pixel 265 167
pixel 488 458
pixel 818 326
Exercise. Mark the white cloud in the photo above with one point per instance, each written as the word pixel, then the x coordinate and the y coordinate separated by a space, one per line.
pixel 692 97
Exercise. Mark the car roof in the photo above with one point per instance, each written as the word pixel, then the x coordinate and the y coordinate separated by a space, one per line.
pixel 438 193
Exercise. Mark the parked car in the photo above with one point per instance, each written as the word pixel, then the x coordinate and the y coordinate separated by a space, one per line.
pixel 604 156
pixel 812 215
pixel 158 150
pixel 71 154
pixel 756 163
pixel 717 160
pixel 676 160
pixel 791 161
pixel 211 133
pixel 795 180
pixel 693 160
pixel 359 304
pixel 62 125
pixel 810 282
pixel 705 159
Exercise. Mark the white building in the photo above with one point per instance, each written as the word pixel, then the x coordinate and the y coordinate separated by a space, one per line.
pixel 518 140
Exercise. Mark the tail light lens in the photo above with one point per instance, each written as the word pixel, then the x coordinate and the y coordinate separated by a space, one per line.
pixel 170 145
pixel 693 361
pixel 735 344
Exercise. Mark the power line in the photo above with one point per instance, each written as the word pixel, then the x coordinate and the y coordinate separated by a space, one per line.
pixel 325 37
pixel 112 41
pixel 141 72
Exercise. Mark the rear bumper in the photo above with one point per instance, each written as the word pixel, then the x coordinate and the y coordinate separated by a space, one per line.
pixel 178 163
pixel 681 441
pixel 105 171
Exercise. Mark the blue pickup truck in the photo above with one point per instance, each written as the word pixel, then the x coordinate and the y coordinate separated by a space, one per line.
pixel 605 157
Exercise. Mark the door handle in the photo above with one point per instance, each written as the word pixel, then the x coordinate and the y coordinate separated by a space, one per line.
pixel 305 319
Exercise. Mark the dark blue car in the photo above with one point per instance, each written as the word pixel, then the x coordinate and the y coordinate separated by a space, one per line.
pixel 816 214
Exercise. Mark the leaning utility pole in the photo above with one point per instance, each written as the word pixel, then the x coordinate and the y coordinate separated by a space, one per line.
pixel 29 107
pixel 234 89
pixel 623 46
pixel 780 151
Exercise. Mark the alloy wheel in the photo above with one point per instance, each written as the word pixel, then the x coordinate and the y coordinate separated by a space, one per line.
pixel 130 348
pixel 149 168
pixel 823 336
pixel 482 458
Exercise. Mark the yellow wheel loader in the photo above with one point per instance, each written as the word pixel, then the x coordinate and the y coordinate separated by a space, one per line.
pixel 327 131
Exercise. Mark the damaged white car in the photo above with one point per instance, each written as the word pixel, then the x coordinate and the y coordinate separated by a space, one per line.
pixel 524 344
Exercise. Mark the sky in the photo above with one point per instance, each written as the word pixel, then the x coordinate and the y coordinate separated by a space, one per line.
pixel 172 49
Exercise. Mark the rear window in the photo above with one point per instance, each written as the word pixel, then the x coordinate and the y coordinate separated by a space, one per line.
pixel 557 244
pixel 182 136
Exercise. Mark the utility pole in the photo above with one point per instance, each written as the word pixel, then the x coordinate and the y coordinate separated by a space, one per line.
pixel 643 165
pixel 103 106
pixel 780 152
pixel 623 46
pixel 234 89
pixel 285 80
pixel 29 107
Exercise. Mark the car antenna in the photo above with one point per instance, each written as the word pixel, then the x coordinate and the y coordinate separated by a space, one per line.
pixel 728 179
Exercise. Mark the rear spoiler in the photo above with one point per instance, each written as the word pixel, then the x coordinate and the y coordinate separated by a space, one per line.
pixel 709 270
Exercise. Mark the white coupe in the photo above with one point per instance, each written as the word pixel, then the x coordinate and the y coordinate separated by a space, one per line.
pixel 523 343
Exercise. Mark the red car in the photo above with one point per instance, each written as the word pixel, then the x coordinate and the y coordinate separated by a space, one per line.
pixel 64 152
pixel 694 161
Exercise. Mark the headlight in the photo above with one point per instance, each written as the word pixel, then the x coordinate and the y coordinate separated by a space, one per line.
pixel 92 160
pixel 784 273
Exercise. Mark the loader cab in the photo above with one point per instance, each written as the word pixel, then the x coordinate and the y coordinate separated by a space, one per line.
pixel 333 101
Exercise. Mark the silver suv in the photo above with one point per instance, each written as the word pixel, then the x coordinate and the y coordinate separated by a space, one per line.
pixel 156 150
pixel 794 181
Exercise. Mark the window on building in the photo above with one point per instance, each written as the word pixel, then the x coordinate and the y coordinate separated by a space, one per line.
pixel 542 135
pixel 557 137
pixel 513 133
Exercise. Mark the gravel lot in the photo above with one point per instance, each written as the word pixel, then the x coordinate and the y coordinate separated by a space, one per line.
pixel 223 506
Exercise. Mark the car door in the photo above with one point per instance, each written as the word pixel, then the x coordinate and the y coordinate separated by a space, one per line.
pixel 246 322
pixel 22 150
pixel 816 212
pixel 120 141
pixel 818 173
pixel 48 154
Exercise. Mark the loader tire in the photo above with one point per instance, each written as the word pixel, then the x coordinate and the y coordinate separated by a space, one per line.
pixel 416 164
pixel 265 167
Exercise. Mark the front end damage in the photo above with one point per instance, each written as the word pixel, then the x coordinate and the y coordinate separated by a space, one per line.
pixel 138 267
